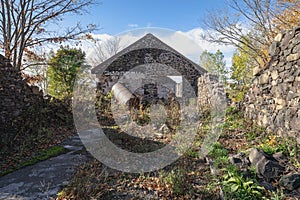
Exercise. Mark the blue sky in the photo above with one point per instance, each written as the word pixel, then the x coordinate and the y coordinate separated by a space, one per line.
pixel 185 17
pixel 115 16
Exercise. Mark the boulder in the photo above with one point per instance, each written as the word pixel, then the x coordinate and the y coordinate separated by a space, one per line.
pixel 290 182
pixel 266 166
pixel 255 155
pixel 240 161
pixel 269 169
pixel 267 186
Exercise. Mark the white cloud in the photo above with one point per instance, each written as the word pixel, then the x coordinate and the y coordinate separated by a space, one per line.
pixel 133 25
pixel 189 43
pixel 195 35
pixel 100 37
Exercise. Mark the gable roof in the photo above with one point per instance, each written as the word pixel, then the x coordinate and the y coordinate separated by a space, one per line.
pixel 148 41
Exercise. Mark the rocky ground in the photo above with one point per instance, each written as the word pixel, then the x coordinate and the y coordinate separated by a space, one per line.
pixel 246 163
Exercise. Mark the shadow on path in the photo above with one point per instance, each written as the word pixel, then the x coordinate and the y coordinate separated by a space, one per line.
pixel 44 179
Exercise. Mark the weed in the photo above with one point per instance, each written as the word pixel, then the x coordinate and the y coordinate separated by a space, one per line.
pixel 273 144
pixel 220 155
pixel 89 182
pixel 292 150
pixel 218 151
pixel 191 153
pixel 235 186
pixel 176 180
pixel 43 135
pixel 277 195
pixel 103 103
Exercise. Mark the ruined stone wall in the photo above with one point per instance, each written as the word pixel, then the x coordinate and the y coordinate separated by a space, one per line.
pixel 273 100
pixel 16 97
pixel 23 109
pixel 211 94
pixel 151 62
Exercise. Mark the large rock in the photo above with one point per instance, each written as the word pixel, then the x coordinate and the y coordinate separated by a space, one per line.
pixel 267 186
pixel 266 166
pixel 269 169
pixel 290 182
pixel 280 157
pixel 240 161
pixel 255 155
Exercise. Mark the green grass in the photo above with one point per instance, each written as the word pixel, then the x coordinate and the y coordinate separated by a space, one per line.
pixel 43 155
pixel 219 154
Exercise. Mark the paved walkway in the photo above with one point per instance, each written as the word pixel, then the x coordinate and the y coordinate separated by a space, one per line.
pixel 44 179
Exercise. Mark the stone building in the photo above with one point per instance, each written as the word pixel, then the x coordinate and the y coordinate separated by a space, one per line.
pixel 146 68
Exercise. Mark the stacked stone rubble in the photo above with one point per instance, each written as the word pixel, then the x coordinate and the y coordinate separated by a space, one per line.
pixel 16 98
pixel 24 112
pixel 273 99
pixel 211 94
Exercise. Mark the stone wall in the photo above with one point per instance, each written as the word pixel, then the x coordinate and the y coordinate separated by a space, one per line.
pixel 151 56
pixel 211 95
pixel 16 96
pixel 273 99
pixel 23 109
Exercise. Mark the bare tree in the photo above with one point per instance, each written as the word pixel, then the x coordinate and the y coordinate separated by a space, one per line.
pixel 249 25
pixel 36 70
pixel 105 49
pixel 23 24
